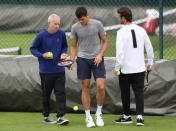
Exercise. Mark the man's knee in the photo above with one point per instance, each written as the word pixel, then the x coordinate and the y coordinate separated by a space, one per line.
pixel 85 88
pixel 100 88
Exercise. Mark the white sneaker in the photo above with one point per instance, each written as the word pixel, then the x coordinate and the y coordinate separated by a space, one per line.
pixel 62 121
pixel 89 122
pixel 99 120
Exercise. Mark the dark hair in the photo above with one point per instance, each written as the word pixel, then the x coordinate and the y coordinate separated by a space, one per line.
pixel 80 12
pixel 126 13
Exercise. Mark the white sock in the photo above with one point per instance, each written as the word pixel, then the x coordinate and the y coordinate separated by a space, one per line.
pixel 99 110
pixel 139 117
pixel 87 112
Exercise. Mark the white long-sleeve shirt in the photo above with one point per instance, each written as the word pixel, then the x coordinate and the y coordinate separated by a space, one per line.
pixel 130 42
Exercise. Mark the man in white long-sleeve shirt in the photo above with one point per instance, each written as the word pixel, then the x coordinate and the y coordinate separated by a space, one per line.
pixel 130 64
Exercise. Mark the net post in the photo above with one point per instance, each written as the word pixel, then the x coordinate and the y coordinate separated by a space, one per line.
pixel 161 29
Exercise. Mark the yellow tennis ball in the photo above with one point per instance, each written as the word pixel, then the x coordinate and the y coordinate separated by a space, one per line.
pixel 50 54
pixel 75 108
pixel 117 72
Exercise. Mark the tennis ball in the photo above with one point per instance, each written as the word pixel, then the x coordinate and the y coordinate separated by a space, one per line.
pixel 50 55
pixel 75 108
pixel 117 72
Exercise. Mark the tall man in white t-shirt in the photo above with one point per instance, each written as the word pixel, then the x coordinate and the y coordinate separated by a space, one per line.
pixel 130 64
pixel 90 38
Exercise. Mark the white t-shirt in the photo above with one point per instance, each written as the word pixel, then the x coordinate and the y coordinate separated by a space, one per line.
pixel 130 42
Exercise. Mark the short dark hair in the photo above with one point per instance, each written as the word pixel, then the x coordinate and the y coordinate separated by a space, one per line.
pixel 80 12
pixel 125 12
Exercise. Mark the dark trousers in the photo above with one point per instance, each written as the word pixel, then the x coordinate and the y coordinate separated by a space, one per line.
pixel 135 80
pixel 56 82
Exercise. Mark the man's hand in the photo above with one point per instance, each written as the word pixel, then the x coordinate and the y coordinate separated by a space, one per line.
pixel 63 56
pixel 149 67
pixel 67 57
pixel 117 72
pixel 98 59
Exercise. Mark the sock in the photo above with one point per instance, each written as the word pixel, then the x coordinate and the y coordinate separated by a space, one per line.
pixel 87 112
pixel 139 117
pixel 99 110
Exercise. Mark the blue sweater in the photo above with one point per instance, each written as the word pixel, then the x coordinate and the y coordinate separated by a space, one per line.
pixel 55 43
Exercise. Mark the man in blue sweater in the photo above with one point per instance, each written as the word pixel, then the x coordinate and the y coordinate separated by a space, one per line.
pixel 50 46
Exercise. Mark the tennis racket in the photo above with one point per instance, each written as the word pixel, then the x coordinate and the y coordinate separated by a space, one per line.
pixel 147 81
pixel 147 76
pixel 65 63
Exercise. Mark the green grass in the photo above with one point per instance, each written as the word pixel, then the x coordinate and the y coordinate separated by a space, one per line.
pixel 24 41
pixel 21 40
pixel 16 121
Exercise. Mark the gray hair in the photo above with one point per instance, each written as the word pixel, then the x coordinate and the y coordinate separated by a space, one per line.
pixel 52 16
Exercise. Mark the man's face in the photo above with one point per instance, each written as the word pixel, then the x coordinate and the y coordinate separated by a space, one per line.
pixel 54 24
pixel 84 20
pixel 120 19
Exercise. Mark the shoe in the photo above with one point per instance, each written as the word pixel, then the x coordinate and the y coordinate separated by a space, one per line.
pixel 99 120
pixel 124 120
pixel 62 121
pixel 139 122
pixel 89 122
pixel 49 120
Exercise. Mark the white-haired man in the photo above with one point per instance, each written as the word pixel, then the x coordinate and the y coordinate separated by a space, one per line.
pixel 50 46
